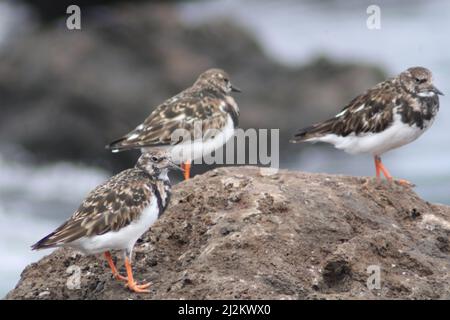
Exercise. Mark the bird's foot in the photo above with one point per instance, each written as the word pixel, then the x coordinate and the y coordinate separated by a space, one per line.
pixel 391 181
pixel 404 183
pixel 138 288
pixel 120 277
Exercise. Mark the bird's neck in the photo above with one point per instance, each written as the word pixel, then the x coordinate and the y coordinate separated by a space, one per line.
pixel 164 175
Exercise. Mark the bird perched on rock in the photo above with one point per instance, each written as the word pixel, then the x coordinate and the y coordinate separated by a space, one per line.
pixel 393 113
pixel 191 124
pixel 116 213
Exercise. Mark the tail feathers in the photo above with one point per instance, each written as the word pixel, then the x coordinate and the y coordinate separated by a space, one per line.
pixel 312 132
pixel 45 243
pixel 116 145
pixel 122 144
pixel 302 135
pixel 65 234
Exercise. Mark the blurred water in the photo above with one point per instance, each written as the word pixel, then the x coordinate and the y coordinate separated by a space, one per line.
pixel 15 18
pixel 412 33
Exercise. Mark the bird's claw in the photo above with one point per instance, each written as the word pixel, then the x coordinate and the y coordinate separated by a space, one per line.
pixel 138 288
pixel 404 183
pixel 120 277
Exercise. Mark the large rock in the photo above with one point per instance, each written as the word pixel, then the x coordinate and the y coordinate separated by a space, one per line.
pixel 232 233
pixel 66 94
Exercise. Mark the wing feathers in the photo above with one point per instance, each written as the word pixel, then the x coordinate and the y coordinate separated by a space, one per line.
pixel 369 112
pixel 180 112
pixel 110 207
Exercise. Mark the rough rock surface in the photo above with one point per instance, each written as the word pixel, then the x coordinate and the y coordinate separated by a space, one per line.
pixel 232 233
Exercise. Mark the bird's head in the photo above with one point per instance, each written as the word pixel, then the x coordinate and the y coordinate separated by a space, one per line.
pixel 419 81
pixel 216 79
pixel 156 163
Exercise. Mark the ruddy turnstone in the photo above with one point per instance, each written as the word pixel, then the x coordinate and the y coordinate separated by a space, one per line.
pixel 207 107
pixel 389 115
pixel 116 213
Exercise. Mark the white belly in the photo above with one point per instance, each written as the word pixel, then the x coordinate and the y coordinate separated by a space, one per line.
pixel 397 135
pixel 200 147
pixel 123 239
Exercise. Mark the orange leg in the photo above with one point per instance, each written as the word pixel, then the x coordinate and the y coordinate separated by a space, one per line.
pixel 379 167
pixel 115 273
pixel 132 285
pixel 187 169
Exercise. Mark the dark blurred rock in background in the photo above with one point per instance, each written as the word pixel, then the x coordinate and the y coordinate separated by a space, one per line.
pixel 66 94
pixel 49 10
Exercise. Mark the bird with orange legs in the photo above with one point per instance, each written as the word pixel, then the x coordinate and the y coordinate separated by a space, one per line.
pixel 393 113
pixel 193 123
pixel 116 214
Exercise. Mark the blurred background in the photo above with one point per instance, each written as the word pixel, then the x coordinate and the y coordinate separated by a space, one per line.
pixel 65 94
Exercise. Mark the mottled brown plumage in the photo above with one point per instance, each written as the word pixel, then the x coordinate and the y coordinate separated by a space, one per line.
pixel 115 204
pixel 373 111
pixel 116 213
pixel 109 207
pixel 391 114
pixel 208 101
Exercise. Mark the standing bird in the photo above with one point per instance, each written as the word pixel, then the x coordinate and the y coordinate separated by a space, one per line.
pixel 393 113
pixel 191 124
pixel 116 213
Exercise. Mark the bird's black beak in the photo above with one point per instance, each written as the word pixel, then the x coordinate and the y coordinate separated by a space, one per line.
pixel 235 89
pixel 436 90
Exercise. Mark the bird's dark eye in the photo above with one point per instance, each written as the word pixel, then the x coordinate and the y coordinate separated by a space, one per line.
pixel 418 80
pixel 155 159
